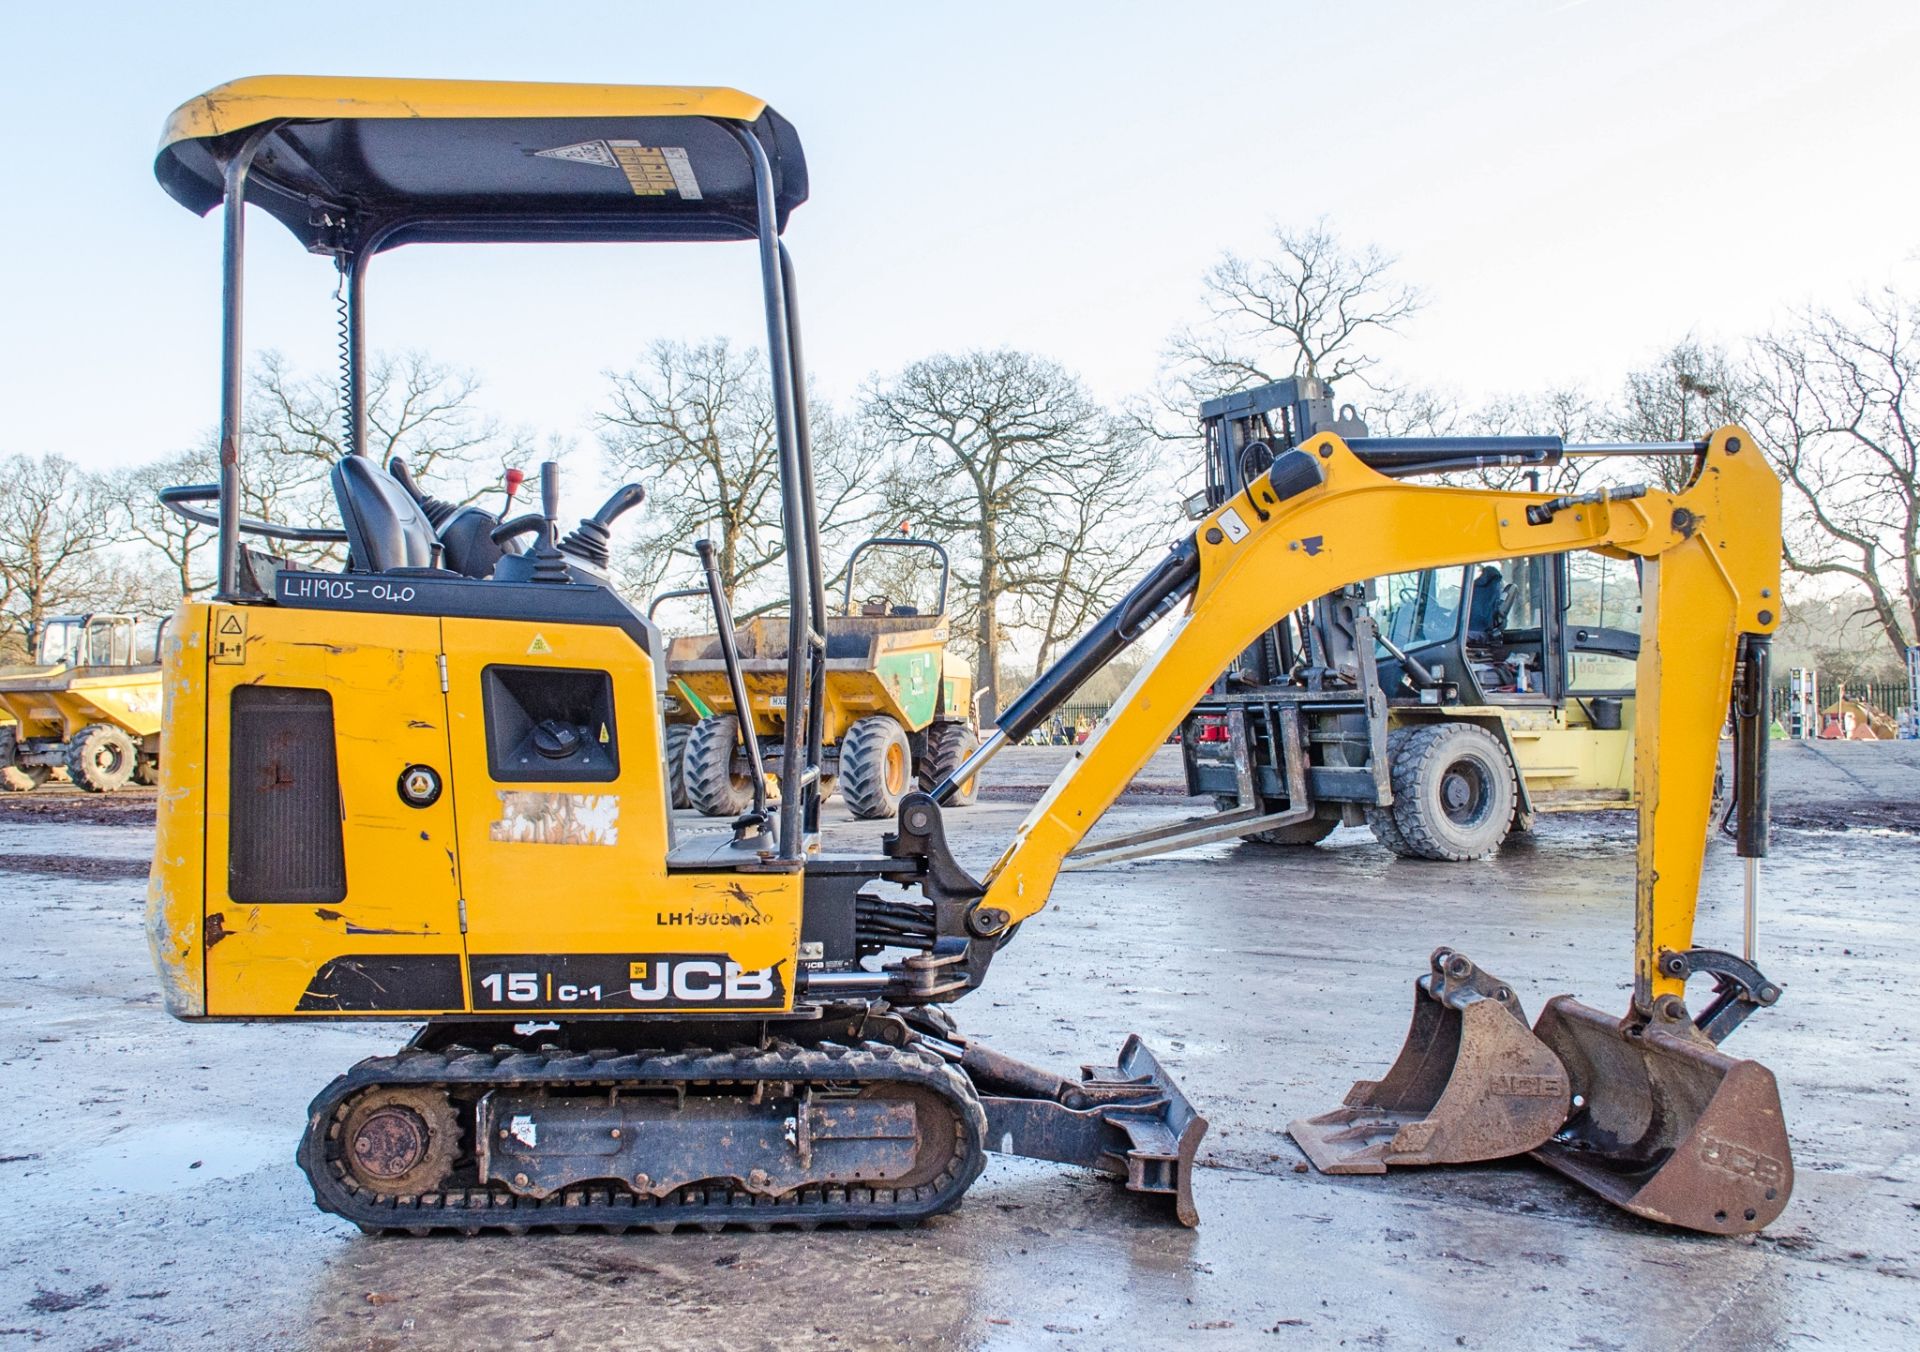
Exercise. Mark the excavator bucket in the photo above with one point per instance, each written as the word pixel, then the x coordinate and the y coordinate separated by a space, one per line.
pixel 1471 1083
pixel 1666 1125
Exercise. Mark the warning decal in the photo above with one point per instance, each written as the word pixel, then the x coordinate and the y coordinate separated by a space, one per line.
pixel 584 152
pixel 230 637
pixel 539 646
pixel 651 171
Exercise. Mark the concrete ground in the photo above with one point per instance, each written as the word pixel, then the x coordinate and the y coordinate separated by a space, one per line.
pixel 151 1200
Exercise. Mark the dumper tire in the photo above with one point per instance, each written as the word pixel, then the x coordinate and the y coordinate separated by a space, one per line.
pixel 948 746
pixel 146 770
pixel 14 777
pixel 706 768
pixel 676 753
pixel 24 778
pixel 101 758
pixel 876 767
pixel 1454 790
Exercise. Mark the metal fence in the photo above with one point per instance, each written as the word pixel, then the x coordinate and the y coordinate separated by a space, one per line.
pixel 1889 697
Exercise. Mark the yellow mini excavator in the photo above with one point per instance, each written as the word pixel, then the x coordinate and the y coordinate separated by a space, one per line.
pixel 430 787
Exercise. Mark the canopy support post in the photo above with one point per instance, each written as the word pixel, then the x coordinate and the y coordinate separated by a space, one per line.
pixel 233 357
pixel 356 409
pixel 817 673
pixel 794 515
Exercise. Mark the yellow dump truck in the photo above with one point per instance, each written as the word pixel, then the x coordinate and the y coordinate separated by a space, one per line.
pixel 90 705
pixel 898 706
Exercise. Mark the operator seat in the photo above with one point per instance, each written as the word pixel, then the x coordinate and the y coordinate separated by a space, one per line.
pixel 386 530
pixel 1492 600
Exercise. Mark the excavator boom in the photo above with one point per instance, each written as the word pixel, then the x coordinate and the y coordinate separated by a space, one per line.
pixel 1644 1109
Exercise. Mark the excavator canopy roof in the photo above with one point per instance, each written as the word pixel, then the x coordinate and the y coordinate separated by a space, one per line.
pixel 358 162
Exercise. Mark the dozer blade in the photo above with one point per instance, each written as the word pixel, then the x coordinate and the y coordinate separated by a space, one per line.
pixel 1472 1082
pixel 1128 1119
pixel 1665 1124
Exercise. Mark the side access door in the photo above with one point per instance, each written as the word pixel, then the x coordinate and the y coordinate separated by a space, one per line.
pixel 332 876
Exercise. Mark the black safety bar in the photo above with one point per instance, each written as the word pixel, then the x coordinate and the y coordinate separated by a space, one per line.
pixel 899 542
pixel 680 594
pixel 175 499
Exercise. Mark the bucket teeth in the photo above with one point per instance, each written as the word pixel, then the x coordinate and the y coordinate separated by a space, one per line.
pixel 1664 1124
pixel 1472 1082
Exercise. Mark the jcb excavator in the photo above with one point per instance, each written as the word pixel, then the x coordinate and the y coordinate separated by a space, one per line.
pixel 430 787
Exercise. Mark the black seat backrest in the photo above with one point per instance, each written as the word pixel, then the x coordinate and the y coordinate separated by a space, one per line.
pixel 385 527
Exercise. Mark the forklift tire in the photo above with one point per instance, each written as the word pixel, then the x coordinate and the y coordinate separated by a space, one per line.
pixel 1310 832
pixel 676 753
pixel 948 746
pixel 1453 792
pixel 876 767
pixel 101 758
pixel 706 768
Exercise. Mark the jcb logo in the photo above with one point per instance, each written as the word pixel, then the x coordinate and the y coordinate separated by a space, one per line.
pixel 697 981
pixel 1741 1162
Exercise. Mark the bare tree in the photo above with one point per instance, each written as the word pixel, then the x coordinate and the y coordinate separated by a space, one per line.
pixel 186 547
pixel 1309 306
pixel 1007 456
pixel 416 408
pixel 1312 306
pixel 55 525
pixel 1689 391
pixel 1837 403
pixel 695 423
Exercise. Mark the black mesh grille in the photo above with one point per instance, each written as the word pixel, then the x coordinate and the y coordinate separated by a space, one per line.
pixel 284 834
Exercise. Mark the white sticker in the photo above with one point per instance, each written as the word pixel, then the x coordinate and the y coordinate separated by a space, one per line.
pixel 523 1130
pixel 682 170
pixel 1231 523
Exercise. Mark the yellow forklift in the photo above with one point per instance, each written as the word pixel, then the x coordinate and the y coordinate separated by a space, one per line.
pixel 430 787
pixel 1441 707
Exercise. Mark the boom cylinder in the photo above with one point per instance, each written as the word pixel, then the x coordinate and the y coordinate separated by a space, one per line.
pixel 1752 724
pixel 1172 580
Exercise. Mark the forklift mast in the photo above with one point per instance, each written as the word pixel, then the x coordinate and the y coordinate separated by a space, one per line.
pixel 1244 432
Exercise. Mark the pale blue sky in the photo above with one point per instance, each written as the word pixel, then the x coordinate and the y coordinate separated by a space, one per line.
pixel 1574 185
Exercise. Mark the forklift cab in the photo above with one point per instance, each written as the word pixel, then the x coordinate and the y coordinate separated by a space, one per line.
pixel 1534 630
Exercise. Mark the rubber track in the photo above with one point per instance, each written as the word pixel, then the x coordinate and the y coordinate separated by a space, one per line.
pixel 603 1204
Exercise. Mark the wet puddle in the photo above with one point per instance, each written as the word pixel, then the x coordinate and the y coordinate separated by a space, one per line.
pixel 172 1156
